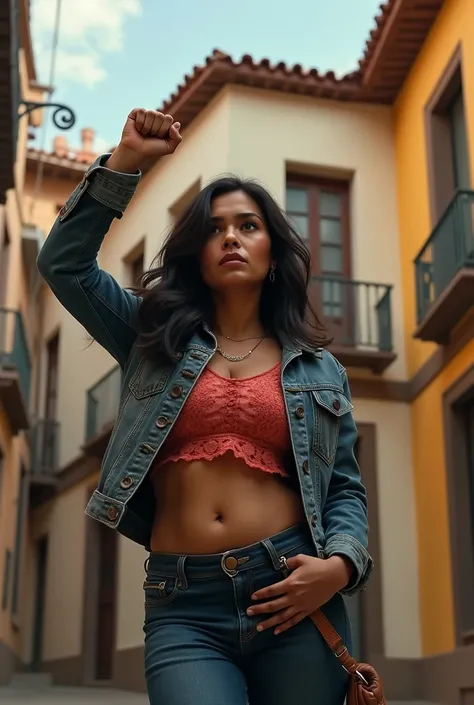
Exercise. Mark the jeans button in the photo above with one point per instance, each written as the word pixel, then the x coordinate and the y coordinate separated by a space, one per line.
pixel 306 467
pixel 231 562
pixel 161 421
pixel 314 520
pixel 299 412
pixel 126 483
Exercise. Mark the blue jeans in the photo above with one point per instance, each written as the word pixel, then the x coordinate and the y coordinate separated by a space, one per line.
pixel 201 648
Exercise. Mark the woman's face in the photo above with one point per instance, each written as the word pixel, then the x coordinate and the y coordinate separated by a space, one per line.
pixel 238 251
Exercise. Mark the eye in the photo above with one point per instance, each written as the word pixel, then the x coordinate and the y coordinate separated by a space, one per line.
pixel 249 225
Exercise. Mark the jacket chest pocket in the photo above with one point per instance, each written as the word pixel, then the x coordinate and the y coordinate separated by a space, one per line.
pixel 149 379
pixel 329 405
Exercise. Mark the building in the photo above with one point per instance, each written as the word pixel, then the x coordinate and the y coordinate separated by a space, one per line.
pixel 19 284
pixel 434 144
pixel 366 177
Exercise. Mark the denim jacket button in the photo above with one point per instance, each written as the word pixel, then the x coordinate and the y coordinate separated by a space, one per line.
pixel 336 404
pixel 161 421
pixel 314 520
pixel 299 412
pixel 176 391
pixel 112 513
pixel 306 467
pixel 126 483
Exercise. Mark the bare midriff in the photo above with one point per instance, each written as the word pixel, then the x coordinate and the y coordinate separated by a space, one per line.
pixel 214 506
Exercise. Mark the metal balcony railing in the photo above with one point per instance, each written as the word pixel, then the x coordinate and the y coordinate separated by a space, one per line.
pixel 44 448
pixel 103 402
pixel 359 312
pixel 449 249
pixel 14 353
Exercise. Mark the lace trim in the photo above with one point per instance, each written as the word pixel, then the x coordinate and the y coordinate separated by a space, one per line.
pixel 215 446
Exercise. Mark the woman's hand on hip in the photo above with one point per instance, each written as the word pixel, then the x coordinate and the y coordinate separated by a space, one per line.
pixel 312 583
pixel 147 135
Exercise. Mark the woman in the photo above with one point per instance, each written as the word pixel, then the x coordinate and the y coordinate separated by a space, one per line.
pixel 232 458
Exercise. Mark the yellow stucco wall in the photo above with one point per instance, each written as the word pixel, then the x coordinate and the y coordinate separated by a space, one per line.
pixel 435 579
pixel 453 28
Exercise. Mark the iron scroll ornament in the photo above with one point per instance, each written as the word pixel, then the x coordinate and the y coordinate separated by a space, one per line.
pixel 63 117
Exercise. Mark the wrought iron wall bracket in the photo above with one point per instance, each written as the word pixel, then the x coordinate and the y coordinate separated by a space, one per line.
pixel 63 117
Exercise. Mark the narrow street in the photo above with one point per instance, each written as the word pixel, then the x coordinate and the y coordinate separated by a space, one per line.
pixel 36 690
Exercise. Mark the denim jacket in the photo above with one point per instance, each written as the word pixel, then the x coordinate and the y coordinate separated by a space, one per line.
pixel 315 388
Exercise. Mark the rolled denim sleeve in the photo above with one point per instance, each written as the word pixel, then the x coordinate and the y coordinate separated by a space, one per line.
pixel 344 516
pixel 68 259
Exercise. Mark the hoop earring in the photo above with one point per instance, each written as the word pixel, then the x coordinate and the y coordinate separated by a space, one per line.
pixel 271 276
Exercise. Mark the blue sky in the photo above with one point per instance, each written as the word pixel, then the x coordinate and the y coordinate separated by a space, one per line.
pixel 114 55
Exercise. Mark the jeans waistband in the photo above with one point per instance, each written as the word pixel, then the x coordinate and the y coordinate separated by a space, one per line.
pixel 214 565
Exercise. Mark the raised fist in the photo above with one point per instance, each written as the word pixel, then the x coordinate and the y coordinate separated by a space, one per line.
pixel 146 136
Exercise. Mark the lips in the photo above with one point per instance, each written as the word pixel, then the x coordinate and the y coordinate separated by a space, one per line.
pixel 232 257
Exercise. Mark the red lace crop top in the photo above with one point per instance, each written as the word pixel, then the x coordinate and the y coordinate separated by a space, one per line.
pixel 244 416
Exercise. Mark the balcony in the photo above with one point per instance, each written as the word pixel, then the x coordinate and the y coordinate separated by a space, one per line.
pixel 444 272
pixel 44 465
pixel 15 369
pixel 358 315
pixel 101 410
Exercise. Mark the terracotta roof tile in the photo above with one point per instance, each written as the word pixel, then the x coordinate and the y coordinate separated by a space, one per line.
pixel 199 87
pixel 374 35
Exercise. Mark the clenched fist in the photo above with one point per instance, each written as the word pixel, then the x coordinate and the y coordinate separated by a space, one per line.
pixel 147 135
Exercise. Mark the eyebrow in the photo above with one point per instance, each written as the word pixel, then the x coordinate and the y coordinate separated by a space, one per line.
pixel 240 216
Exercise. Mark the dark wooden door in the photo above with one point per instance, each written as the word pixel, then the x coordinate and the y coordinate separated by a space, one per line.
pixel 106 602
pixel 41 563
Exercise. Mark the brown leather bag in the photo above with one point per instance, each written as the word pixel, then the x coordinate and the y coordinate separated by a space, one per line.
pixel 365 686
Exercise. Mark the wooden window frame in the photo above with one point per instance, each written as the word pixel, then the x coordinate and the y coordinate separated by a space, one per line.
pixel 130 259
pixel 314 186
pixel 438 136
pixel 460 511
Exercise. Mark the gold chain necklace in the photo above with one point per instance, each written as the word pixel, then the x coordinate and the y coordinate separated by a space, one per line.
pixel 238 358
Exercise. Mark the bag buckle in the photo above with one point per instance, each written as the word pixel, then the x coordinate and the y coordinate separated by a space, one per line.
pixel 357 673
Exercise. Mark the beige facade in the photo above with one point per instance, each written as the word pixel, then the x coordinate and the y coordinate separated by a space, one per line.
pixel 18 314
pixel 277 138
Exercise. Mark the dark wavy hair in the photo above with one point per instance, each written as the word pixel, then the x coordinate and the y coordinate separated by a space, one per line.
pixel 176 301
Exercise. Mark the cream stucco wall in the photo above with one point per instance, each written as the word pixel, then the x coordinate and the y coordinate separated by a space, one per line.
pixel 64 593
pixel 273 133
pixel 130 599
pixel 397 524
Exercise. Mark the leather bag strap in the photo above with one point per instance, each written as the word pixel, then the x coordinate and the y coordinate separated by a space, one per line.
pixel 335 642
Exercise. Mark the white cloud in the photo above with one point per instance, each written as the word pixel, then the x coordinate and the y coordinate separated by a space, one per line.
pixel 88 29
